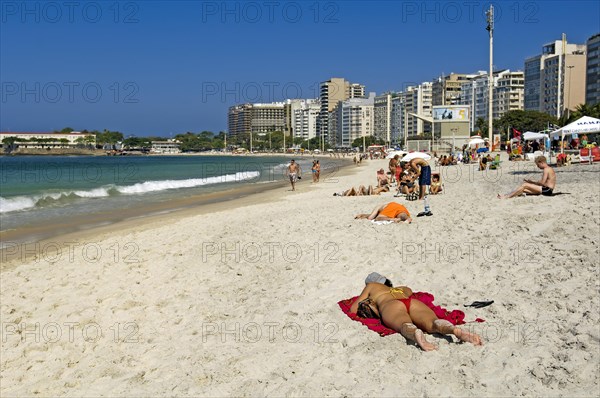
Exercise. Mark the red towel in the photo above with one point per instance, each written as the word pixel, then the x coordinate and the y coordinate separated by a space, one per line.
pixel 456 317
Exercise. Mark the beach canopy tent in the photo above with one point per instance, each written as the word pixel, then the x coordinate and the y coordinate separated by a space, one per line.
pixel 531 136
pixel 416 155
pixel 584 125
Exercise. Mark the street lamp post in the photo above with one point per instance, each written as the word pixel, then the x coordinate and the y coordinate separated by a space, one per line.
pixel 490 29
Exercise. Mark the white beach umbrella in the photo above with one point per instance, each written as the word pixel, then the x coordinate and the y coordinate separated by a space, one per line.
pixel 476 141
pixel 416 155
pixel 394 153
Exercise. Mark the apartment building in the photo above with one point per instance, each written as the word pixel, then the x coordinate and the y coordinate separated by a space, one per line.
pixel 304 114
pixel 417 100
pixel 592 82
pixel 354 119
pixel 445 90
pixel 508 94
pixel 382 116
pixel 332 92
pixel 555 79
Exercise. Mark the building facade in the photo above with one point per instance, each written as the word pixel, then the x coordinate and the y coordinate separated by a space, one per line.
pixel 332 92
pixel 304 114
pixel 555 79
pixel 592 81
pixel 446 90
pixel 259 118
pixel 49 140
pixel 508 94
pixel 354 119
pixel 382 117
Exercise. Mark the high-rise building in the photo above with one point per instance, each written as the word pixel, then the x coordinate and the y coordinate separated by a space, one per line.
pixel 258 118
pixel 382 117
pixel 239 119
pixel 304 115
pixel 331 92
pixel 397 119
pixel 592 83
pixel 354 119
pixel 555 79
pixel 445 90
pixel 508 94
pixel 417 101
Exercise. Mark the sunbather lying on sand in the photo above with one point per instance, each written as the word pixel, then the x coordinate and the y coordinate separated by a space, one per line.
pixel 406 315
pixel 388 212
pixel 363 191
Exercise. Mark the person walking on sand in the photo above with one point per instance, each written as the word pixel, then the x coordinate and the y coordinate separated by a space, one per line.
pixel 318 169
pixel 294 173
pixel 313 169
pixel 423 171
pixel 544 187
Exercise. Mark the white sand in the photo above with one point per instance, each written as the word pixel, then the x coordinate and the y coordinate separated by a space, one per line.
pixel 181 317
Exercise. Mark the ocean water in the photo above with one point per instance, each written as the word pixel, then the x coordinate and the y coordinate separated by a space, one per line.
pixel 39 189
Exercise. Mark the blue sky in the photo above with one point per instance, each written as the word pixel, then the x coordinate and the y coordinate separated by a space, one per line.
pixel 161 68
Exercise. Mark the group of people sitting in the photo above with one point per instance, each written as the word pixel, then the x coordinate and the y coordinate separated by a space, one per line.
pixel 447 160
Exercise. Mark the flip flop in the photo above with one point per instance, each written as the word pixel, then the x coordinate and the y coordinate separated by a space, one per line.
pixel 480 304
pixel 421 214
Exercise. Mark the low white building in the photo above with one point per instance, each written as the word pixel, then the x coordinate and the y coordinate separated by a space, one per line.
pixel 165 147
pixel 49 140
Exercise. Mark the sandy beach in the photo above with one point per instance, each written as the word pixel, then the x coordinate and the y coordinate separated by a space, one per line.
pixel 242 300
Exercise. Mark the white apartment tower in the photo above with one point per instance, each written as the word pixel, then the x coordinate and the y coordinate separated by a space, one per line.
pixel 304 115
pixel 508 94
pixel 354 119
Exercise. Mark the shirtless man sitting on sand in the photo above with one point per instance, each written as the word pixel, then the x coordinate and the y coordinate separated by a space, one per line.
pixel 388 212
pixel 545 186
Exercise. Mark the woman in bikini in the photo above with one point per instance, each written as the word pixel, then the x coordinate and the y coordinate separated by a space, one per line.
pixel 404 314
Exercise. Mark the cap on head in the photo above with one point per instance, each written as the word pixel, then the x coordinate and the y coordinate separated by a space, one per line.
pixel 374 277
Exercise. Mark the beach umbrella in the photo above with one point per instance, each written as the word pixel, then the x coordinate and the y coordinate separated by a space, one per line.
pixel 394 153
pixel 476 141
pixel 480 150
pixel 416 155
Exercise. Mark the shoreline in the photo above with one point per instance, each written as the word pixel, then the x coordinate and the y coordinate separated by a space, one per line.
pixel 96 226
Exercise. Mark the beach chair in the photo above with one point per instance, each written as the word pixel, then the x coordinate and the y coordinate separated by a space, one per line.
pixel 495 163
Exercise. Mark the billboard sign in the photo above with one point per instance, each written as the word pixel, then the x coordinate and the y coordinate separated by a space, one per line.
pixel 451 113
